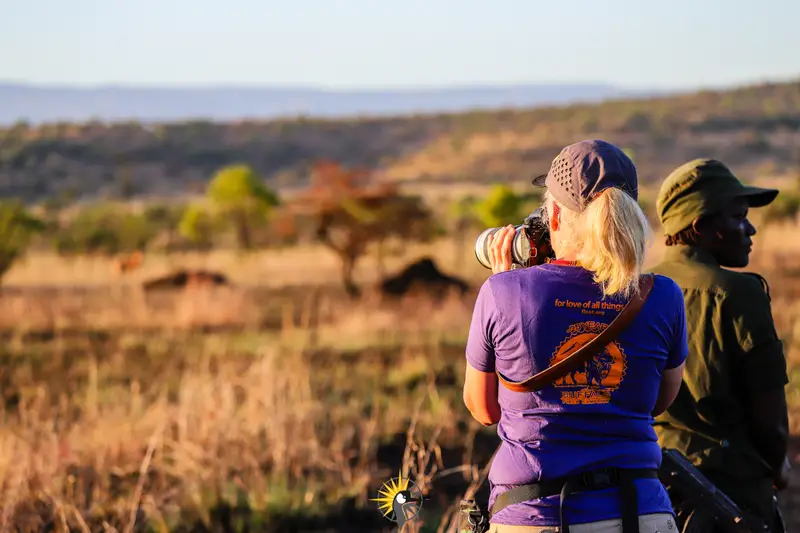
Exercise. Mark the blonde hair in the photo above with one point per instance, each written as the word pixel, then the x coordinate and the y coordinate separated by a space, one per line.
pixel 609 238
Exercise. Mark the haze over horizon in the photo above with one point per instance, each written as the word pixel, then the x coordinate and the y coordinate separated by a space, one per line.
pixel 244 58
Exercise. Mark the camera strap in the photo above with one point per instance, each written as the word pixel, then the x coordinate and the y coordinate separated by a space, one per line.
pixel 586 352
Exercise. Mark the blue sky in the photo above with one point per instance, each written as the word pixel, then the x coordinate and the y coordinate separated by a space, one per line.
pixel 411 43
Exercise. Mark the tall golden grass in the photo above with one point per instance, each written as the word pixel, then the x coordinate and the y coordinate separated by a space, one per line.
pixel 119 415
pixel 153 429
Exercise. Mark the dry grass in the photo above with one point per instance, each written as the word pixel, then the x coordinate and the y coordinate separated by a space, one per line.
pixel 211 442
pixel 159 429
pixel 292 413
pixel 303 265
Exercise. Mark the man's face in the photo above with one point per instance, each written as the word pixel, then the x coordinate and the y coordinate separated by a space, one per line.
pixel 728 235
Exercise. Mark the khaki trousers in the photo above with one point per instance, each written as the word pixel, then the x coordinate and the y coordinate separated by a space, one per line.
pixel 650 523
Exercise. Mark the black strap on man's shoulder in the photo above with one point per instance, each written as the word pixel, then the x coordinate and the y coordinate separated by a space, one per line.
pixel 763 281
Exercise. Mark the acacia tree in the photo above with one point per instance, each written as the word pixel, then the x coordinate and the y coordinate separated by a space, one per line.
pixel 350 213
pixel 197 226
pixel 240 198
pixel 500 207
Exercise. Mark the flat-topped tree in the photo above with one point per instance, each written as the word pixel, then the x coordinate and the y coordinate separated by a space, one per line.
pixel 198 227
pixel 240 198
pixel 500 207
pixel 350 212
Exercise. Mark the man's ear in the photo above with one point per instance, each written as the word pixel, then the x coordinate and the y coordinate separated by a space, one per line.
pixel 700 225
pixel 706 229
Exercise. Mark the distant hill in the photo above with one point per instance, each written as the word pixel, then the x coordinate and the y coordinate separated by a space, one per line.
pixel 755 129
pixel 37 104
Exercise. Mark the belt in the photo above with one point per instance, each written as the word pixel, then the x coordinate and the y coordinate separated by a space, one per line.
pixel 602 478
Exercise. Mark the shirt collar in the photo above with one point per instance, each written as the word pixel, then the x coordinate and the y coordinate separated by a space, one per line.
pixel 685 252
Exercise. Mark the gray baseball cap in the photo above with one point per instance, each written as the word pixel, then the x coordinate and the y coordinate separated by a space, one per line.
pixel 585 169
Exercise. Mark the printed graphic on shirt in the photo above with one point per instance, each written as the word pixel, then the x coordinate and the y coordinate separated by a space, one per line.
pixel 594 382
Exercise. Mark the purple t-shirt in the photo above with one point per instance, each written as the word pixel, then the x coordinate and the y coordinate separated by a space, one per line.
pixel 598 416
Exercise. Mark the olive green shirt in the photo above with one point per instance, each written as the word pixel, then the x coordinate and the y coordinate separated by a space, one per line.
pixel 734 352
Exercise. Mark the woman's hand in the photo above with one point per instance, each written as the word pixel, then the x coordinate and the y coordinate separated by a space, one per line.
pixel 500 249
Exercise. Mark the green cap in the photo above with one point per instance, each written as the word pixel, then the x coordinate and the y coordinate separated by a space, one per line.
pixel 699 188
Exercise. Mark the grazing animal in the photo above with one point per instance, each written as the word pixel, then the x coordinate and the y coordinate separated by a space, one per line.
pixel 422 277
pixel 129 262
pixel 185 279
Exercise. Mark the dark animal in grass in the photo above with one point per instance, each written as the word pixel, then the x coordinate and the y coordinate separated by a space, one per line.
pixel 422 277
pixel 183 279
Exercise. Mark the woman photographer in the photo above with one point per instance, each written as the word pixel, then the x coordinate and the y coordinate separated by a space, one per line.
pixel 589 432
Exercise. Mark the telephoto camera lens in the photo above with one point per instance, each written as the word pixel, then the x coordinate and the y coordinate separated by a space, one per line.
pixel 520 248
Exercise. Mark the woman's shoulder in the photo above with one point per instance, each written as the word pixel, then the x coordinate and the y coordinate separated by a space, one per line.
pixel 665 284
pixel 509 284
pixel 521 275
pixel 666 291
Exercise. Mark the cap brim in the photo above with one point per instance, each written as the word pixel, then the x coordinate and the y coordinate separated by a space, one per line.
pixel 538 181
pixel 758 196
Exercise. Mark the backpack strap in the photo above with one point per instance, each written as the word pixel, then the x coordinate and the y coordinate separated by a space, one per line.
pixel 586 352
pixel 763 281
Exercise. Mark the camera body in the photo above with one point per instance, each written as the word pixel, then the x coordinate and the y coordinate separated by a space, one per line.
pixel 531 245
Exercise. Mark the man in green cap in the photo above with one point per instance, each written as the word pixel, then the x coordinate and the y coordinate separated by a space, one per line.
pixel 730 417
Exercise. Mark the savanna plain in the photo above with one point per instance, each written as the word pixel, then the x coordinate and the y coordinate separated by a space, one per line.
pixel 272 404
pixel 291 369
